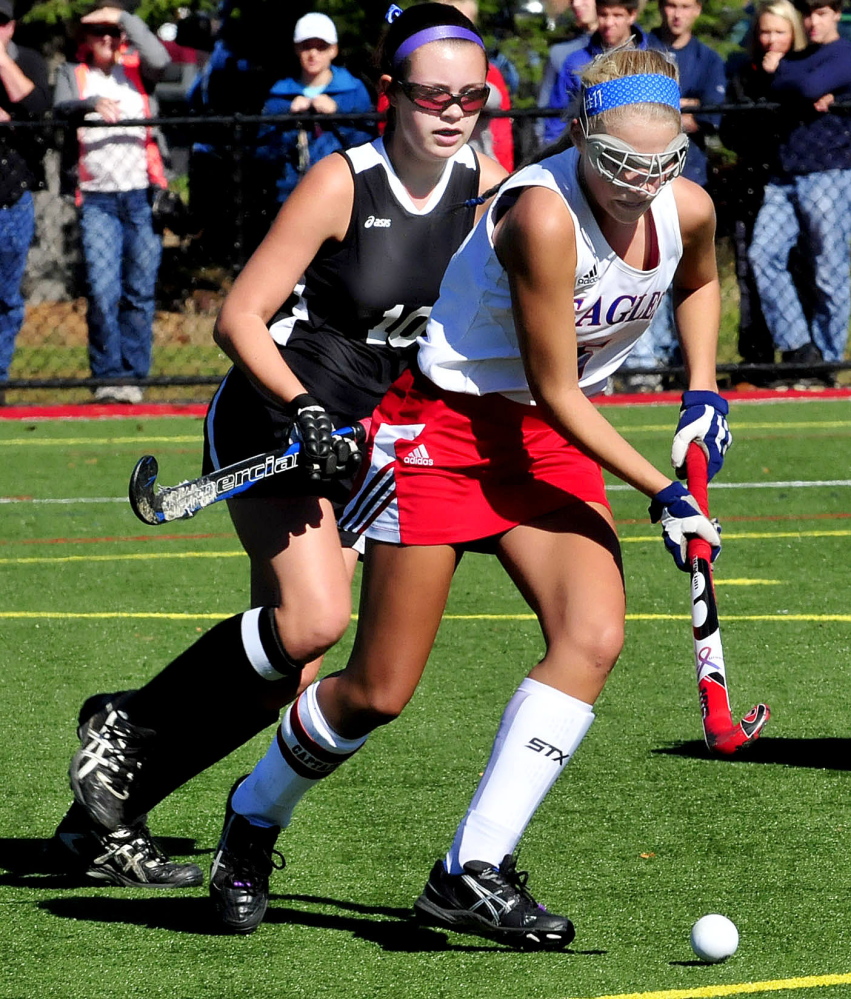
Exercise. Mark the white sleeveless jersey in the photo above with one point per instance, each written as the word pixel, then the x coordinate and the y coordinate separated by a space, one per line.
pixel 470 344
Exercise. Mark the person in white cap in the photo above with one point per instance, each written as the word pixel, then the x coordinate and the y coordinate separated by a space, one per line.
pixel 320 88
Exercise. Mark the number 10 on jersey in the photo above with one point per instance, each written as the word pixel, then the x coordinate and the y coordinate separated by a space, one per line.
pixel 399 328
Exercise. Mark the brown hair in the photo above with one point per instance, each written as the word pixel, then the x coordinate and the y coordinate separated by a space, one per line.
pixel 808 6
pixel 630 5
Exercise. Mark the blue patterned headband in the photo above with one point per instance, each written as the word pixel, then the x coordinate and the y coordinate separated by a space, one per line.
pixel 434 34
pixel 644 88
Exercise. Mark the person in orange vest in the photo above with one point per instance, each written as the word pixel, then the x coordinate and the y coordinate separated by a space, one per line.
pixel 120 61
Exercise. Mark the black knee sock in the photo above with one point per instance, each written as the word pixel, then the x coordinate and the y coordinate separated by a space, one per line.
pixel 234 663
pixel 211 699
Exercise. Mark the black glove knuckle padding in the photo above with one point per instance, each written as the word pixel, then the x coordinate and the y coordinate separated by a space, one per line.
pixel 324 455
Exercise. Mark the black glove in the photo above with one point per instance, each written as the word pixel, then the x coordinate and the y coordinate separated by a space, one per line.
pixel 347 451
pixel 312 428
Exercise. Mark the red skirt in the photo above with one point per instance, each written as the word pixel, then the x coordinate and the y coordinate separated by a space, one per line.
pixel 449 468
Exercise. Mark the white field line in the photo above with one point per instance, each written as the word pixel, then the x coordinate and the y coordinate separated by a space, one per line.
pixel 791 484
pixel 617 487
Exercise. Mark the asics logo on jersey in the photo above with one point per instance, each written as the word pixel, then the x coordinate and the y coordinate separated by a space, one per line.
pixel 592 277
pixel 419 456
pixel 378 223
pixel 551 752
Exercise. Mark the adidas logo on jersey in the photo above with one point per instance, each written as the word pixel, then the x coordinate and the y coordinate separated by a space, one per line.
pixel 592 277
pixel 378 223
pixel 419 456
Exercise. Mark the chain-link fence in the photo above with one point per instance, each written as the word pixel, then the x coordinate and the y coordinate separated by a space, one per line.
pixel 88 277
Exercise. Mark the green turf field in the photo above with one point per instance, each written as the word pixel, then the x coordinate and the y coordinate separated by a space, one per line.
pixel 642 835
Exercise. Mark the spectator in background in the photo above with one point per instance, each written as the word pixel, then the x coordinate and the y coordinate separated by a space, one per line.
pixel 289 150
pixel 585 24
pixel 702 81
pixel 234 80
pixel 120 63
pixel 809 194
pixel 24 96
pixel 615 27
pixel 491 136
pixel 702 78
pixel 776 30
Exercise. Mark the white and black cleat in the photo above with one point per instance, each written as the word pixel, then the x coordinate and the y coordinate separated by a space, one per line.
pixel 127 857
pixel 105 766
pixel 491 902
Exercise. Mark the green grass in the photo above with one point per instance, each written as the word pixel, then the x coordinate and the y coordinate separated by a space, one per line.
pixel 642 835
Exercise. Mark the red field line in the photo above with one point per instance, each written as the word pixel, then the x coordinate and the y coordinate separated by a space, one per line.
pixel 91 411
pixel 758 520
pixel 116 538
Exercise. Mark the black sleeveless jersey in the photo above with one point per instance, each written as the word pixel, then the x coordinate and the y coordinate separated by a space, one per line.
pixel 349 328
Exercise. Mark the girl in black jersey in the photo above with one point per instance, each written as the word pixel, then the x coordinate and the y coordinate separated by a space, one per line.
pixel 355 256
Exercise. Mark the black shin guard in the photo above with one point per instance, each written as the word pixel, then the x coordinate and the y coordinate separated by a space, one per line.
pixel 214 697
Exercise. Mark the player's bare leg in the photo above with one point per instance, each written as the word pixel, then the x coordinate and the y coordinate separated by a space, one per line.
pixel 567 566
pixel 276 581
pixel 232 682
pixel 404 592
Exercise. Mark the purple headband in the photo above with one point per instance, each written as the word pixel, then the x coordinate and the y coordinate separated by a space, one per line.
pixel 434 34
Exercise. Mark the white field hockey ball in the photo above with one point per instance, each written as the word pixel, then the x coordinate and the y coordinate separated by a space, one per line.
pixel 714 938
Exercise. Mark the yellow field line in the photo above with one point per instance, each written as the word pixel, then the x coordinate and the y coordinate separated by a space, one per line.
pixel 109 615
pixel 652 428
pixel 99 441
pixel 175 616
pixel 133 557
pixel 751 535
pixel 741 988
pixel 841 618
pixel 639 539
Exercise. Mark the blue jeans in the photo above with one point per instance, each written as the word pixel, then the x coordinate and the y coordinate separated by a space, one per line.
pixel 122 256
pixel 818 206
pixel 17 227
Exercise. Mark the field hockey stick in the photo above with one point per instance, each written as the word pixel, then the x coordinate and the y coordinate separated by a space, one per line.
pixel 155 504
pixel 721 734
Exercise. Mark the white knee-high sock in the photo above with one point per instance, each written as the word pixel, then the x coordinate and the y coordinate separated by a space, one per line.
pixel 540 730
pixel 305 750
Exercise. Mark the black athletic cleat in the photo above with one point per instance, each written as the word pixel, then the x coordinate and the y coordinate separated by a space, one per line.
pixel 127 857
pixel 104 767
pixel 239 878
pixel 95 710
pixel 491 902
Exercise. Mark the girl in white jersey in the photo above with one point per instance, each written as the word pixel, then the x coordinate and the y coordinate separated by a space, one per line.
pixel 494 444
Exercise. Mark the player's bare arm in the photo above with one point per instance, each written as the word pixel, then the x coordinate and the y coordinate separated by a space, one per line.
pixel 696 289
pixel 319 209
pixel 536 244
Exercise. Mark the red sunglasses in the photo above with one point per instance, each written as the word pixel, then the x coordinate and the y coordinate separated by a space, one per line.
pixel 437 100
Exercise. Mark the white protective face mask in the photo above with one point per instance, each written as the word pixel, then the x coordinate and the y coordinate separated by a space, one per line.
pixel 645 173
